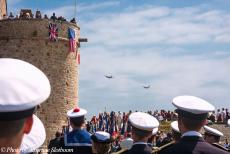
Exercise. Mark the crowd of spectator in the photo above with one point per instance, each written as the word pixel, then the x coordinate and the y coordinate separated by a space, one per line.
pixel 27 14
pixel 221 116
pixel 118 121
pixel 117 124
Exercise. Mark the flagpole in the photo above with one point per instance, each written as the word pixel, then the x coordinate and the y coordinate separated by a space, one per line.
pixel 75 9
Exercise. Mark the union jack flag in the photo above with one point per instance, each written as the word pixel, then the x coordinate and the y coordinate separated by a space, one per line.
pixel 53 32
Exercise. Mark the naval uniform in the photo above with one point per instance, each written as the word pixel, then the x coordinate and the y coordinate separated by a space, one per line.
pixel 220 146
pixel 79 140
pixel 192 143
pixel 139 148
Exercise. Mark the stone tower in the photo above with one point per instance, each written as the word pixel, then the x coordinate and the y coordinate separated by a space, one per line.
pixel 3 8
pixel 28 40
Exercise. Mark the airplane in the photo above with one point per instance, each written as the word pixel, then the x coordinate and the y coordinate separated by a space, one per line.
pixel 146 86
pixel 109 76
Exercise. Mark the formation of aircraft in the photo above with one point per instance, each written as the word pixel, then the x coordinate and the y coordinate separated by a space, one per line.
pixel 110 77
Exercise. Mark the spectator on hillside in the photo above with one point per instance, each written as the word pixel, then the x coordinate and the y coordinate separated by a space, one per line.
pixel 223 114
pixel 212 117
pixel 11 16
pixel 219 116
pixel 45 16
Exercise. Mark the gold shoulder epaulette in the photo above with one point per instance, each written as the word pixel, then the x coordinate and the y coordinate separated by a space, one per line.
pixel 220 146
pixel 120 152
pixel 167 145
pixel 155 150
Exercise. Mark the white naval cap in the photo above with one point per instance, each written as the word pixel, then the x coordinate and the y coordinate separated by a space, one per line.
pixel 228 122
pixel 76 112
pixel 212 131
pixel 126 143
pixel 155 130
pixel 35 138
pixel 193 107
pixel 23 87
pixel 143 121
pixel 174 126
pixel 102 137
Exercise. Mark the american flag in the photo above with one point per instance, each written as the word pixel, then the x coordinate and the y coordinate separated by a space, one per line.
pixel 72 41
pixel 53 32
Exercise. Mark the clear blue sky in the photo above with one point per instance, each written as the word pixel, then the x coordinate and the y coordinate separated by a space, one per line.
pixel 177 46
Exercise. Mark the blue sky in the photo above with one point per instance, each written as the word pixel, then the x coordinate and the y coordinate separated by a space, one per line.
pixel 177 46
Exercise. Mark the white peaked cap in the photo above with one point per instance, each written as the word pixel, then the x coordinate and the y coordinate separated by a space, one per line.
pixel 23 86
pixel 143 121
pixel 126 143
pixel 101 137
pixel 155 130
pixel 174 126
pixel 192 104
pixel 212 131
pixel 35 138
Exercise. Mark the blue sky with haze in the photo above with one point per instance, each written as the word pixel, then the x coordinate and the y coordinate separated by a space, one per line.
pixel 177 46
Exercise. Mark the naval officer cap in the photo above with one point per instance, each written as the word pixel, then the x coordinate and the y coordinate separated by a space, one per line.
pixel 23 87
pixel 35 138
pixel 155 130
pixel 101 137
pixel 192 107
pixel 143 121
pixel 76 112
pixel 174 126
pixel 126 143
pixel 212 131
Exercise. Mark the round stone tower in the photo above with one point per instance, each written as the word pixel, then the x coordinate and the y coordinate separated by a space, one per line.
pixel 28 40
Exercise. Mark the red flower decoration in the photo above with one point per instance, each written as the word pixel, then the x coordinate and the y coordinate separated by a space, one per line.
pixel 76 109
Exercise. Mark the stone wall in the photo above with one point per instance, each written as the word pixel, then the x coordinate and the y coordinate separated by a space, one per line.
pixel 28 40
pixel 3 8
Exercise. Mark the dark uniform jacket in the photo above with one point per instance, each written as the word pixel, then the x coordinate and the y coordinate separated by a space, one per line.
pixel 139 149
pixel 220 146
pixel 192 145
pixel 78 141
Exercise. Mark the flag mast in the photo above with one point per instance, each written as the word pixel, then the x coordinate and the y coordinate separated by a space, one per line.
pixel 75 9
